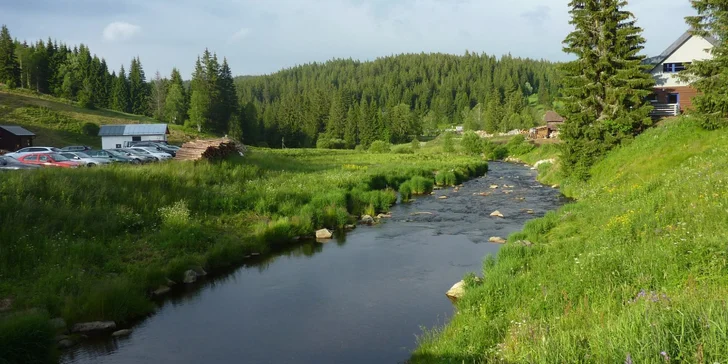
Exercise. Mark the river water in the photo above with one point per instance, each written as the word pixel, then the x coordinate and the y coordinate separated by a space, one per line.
pixel 360 299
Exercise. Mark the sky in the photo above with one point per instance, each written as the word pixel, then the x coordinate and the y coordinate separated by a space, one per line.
pixel 263 36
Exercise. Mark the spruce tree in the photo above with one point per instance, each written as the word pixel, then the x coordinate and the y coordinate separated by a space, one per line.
pixel 710 76
pixel 606 87
pixel 175 105
pixel 228 96
pixel 199 98
pixel 138 88
pixel 120 93
pixel 9 66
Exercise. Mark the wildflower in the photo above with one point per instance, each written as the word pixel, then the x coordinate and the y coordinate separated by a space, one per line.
pixel 628 360
pixel 664 356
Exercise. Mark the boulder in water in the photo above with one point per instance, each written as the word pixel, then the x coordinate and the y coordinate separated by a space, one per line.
pixel 497 240
pixel 456 292
pixel 497 213
pixel 442 197
pixel 366 220
pixel 95 326
pixel 190 277
pixel 324 234
pixel 121 333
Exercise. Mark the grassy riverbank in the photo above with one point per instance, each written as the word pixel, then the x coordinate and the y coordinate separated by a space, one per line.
pixel 90 244
pixel 635 271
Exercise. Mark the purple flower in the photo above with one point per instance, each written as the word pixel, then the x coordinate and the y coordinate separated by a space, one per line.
pixel 629 359
pixel 664 356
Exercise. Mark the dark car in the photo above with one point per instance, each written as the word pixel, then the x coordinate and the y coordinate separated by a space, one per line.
pixel 162 147
pixel 112 155
pixel 11 164
pixel 76 148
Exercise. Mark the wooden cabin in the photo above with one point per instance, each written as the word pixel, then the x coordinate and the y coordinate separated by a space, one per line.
pixel 13 137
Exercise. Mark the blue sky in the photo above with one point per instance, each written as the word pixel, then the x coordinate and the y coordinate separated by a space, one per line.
pixel 263 36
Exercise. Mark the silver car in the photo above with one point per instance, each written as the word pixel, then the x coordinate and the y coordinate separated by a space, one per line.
pixel 32 150
pixel 85 159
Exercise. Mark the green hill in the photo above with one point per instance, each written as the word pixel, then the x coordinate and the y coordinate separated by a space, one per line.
pixel 59 123
pixel 635 271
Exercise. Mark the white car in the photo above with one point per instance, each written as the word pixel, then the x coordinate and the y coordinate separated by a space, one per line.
pixel 162 156
pixel 32 150
pixel 85 159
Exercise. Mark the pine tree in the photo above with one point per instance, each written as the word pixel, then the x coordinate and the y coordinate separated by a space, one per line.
pixel 199 98
pixel 138 88
pixel 120 94
pixel 606 87
pixel 9 66
pixel 228 96
pixel 158 97
pixel 175 104
pixel 710 76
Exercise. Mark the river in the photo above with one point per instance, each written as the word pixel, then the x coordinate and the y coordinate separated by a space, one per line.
pixel 363 298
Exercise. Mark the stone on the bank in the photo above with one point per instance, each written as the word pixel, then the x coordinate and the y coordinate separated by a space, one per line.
pixel 497 213
pixel 190 277
pixel 525 243
pixel 200 272
pixel 162 290
pixel 350 227
pixel 366 220
pixel 384 216
pixel 121 333
pixel 65 343
pixel 497 240
pixel 324 234
pixel 170 282
pixel 87 327
pixel 456 292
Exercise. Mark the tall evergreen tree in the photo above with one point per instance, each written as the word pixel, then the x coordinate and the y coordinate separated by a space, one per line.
pixel 228 97
pixel 158 97
pixel 120 94
pixel 710 76
pixel 200 97
pixel 606 87
pixel 138 88
pixel 175 105
pixel 9 66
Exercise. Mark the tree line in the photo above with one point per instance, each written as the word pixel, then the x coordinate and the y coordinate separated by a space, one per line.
pixel 345 102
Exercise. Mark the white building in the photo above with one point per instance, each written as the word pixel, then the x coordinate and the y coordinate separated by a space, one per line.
pixel 119 136
pixel 671 94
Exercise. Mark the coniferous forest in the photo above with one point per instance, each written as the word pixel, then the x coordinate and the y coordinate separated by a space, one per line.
pixel 337 104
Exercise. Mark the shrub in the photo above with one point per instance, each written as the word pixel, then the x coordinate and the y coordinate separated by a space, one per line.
pixel 91 129
pixel 26 339
pixel 447 178
pixel 448 144
pixel 712 122
pixel 519 146
pixel 472 143
pixel 330 143
pixel 379 146
pixel 499 152
pixel 359 148
pixel 402 149
pixel 415 144
pixel 405 190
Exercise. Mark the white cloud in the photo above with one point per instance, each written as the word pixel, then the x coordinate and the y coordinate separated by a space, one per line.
pixel 120 31
pixel 240 35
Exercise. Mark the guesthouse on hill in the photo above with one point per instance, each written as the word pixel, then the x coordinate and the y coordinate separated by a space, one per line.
pixel 14 137
pixel 672 95
pixel 122 136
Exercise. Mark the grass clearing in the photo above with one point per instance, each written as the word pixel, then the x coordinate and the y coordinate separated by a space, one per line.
pixel 636 270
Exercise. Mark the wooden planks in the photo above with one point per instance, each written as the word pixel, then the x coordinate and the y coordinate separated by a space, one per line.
pixel 209 149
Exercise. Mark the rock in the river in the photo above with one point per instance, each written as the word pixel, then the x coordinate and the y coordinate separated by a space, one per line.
pixel 493 187
pixel 482 194
pixel 162 290
pixel 555 186
pixel 95 326
pixel 121 333
pixel 6 304
pixel 497 213
pixel 366 220
pixel 170 282
pixel 65 343
pixel 58 323
pixel 349 227
pixel 190 277
pixel 497 240
pixel 384 216
pixel 456 292
pixel 324 234
pixel 529 211
pixel 442 197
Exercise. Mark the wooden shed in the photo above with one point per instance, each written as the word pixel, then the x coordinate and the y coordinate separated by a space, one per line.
pixel 14 137
pixel 553 120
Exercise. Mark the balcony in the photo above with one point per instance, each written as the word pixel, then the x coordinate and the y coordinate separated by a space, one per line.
pixel 665 110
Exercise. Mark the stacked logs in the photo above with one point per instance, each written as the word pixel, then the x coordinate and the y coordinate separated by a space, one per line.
pixel 214 149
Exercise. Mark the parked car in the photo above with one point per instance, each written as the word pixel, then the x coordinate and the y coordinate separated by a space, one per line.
pixel 85 159
pixel 143 158
pixel 157 146
pixel 76 148
pixel 48 160
pixel 30 150
pixel 113 156
pixel 12 164
pixel 155 152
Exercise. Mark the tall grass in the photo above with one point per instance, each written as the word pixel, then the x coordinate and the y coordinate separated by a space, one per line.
pixel 636 271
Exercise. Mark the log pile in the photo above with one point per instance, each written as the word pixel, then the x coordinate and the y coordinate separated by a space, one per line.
pixel 211 149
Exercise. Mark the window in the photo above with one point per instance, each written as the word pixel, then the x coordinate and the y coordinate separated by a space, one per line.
pixel 44 158
pixel 31 158
pixel 673 98
pixel 136 138
pixel 652 98
pixel 118 146
pixel 674 67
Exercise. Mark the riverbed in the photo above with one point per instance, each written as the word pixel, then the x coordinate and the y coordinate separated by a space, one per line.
pixel 361 298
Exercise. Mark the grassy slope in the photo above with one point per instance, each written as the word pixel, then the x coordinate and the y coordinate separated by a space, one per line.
pixel 636 269
pixel 58 123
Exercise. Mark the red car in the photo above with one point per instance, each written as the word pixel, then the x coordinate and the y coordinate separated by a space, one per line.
pixel 48 160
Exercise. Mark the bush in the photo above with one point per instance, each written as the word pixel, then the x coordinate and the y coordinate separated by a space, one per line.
pixel 415 145
pixel 90 129
pixel 359 148
pixel 402 149
pixel 712 122
pixel 448 144
pixel 405 190
pixel 421 185
pixel 379 147
pixel 498 153
pixel 472 143
pixel 447 178
pixel 519 146
pixel 26 339
pixel 327 143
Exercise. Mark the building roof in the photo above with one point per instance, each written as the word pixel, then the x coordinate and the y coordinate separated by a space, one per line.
pixel 655 61
pixel 133 129
pixel 553 117
pixel 17 130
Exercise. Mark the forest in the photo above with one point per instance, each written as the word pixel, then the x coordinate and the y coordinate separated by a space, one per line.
pixel 336 104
